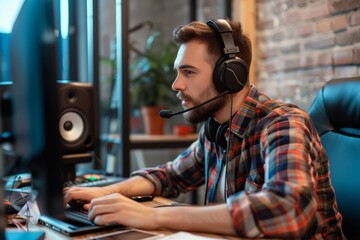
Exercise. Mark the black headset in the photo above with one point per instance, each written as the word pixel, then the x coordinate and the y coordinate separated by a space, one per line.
pixel 230 73
pixel 215 132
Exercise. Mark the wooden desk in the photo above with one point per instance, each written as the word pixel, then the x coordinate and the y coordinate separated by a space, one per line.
pixel 53 235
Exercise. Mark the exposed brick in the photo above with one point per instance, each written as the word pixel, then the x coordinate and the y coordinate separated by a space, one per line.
pixel 355 18
pixel 290 33
pixel 325 58
pixel 339 23
pixel 290 47
pixel 357 55
pixel 269 88
pixel 273 66
pixel 278 8
pixel 323 26
pixel 327 72
pixel 262 2
pixel 316 1
pixel 292 63
pixel 300 3
pixel 355 35
pixel 312 72
pixel 345 71
pixel 305 29
pixel 315 11
pixel 291 75
pixel 340 6
pixel 292 16
pixel 279 64
pixel 262 37
pixel 322 42
pixel 343 56
pixel 311 90
pixel 262 14
pixel 311 41
pixel 276 35
pixel 288 90
pixel 265 52
pixel 344 38
pixel 307 60
pixel 265 25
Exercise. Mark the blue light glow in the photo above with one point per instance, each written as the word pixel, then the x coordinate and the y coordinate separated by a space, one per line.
pixel 64 19
pixel 8 12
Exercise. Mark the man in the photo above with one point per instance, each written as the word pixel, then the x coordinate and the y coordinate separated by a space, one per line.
pixel 266 173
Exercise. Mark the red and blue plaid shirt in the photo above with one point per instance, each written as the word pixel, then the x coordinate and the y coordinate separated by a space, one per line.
pixel 277 177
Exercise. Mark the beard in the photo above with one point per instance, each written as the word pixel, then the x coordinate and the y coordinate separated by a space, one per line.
pixel 201 114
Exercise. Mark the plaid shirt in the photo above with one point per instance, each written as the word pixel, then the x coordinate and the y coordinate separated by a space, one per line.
pixel 278 179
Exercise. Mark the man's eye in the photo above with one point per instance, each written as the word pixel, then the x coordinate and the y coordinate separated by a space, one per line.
pixel 188 73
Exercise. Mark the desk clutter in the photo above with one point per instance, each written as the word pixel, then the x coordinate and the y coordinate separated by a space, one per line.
pixel 21 210
pixel 17 188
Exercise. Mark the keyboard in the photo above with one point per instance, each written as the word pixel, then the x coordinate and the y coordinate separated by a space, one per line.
pixel 92 181
pixel 77 214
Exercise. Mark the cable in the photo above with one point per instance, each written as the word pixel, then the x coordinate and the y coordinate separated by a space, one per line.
pixel 228 146
pixel 226 156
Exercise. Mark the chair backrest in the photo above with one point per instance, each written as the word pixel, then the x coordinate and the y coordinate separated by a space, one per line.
pixel 336 116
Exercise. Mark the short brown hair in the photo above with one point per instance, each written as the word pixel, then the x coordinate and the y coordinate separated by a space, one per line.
pixel 196 30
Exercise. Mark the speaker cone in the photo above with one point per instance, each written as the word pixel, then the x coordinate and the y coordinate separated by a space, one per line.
pixel 71 126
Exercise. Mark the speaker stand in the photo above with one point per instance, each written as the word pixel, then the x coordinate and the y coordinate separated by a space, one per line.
pixel 70 161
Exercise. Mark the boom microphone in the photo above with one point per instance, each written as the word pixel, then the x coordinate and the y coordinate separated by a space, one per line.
pixel 169 114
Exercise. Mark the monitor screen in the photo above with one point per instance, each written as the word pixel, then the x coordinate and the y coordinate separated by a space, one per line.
pixel 34 73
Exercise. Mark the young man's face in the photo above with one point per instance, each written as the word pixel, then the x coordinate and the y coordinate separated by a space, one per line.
pixel 194 81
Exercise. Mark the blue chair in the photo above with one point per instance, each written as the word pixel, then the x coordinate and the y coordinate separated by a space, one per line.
pixel 336 115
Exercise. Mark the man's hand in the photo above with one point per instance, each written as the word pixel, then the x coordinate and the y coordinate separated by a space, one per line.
pixel 134 186
pixel 84 194
pixel 118 209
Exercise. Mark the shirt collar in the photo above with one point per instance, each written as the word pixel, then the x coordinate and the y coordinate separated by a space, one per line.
pixel 245 113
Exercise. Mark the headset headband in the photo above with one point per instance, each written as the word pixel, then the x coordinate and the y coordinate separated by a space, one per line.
pixel 224 32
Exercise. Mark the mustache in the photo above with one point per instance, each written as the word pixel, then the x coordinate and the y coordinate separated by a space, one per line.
pixel 183 96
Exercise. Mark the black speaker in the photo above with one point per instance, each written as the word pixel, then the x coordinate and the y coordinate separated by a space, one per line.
pixel 230 72
pixel 76 117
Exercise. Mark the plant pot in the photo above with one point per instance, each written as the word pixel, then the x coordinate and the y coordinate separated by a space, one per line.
pixel 153 123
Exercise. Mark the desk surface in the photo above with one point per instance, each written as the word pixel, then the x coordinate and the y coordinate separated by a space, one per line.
pixel 53 235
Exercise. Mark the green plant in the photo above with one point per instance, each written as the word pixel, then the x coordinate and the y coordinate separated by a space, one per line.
pixel 152 73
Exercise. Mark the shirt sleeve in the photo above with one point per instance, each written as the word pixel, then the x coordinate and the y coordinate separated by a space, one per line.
pixel 183 174
pixel 287 201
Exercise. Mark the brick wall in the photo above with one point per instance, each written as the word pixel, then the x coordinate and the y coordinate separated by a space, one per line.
pixel 301 44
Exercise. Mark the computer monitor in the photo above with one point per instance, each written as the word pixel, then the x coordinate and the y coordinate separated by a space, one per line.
pixel 34 73
pixel 37 98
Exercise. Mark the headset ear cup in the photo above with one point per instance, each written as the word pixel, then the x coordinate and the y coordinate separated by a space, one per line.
pixel 220 138
pixel 231 74
pixel 215 132
pixel 235 75
pixel 211 127
pixel 218 76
